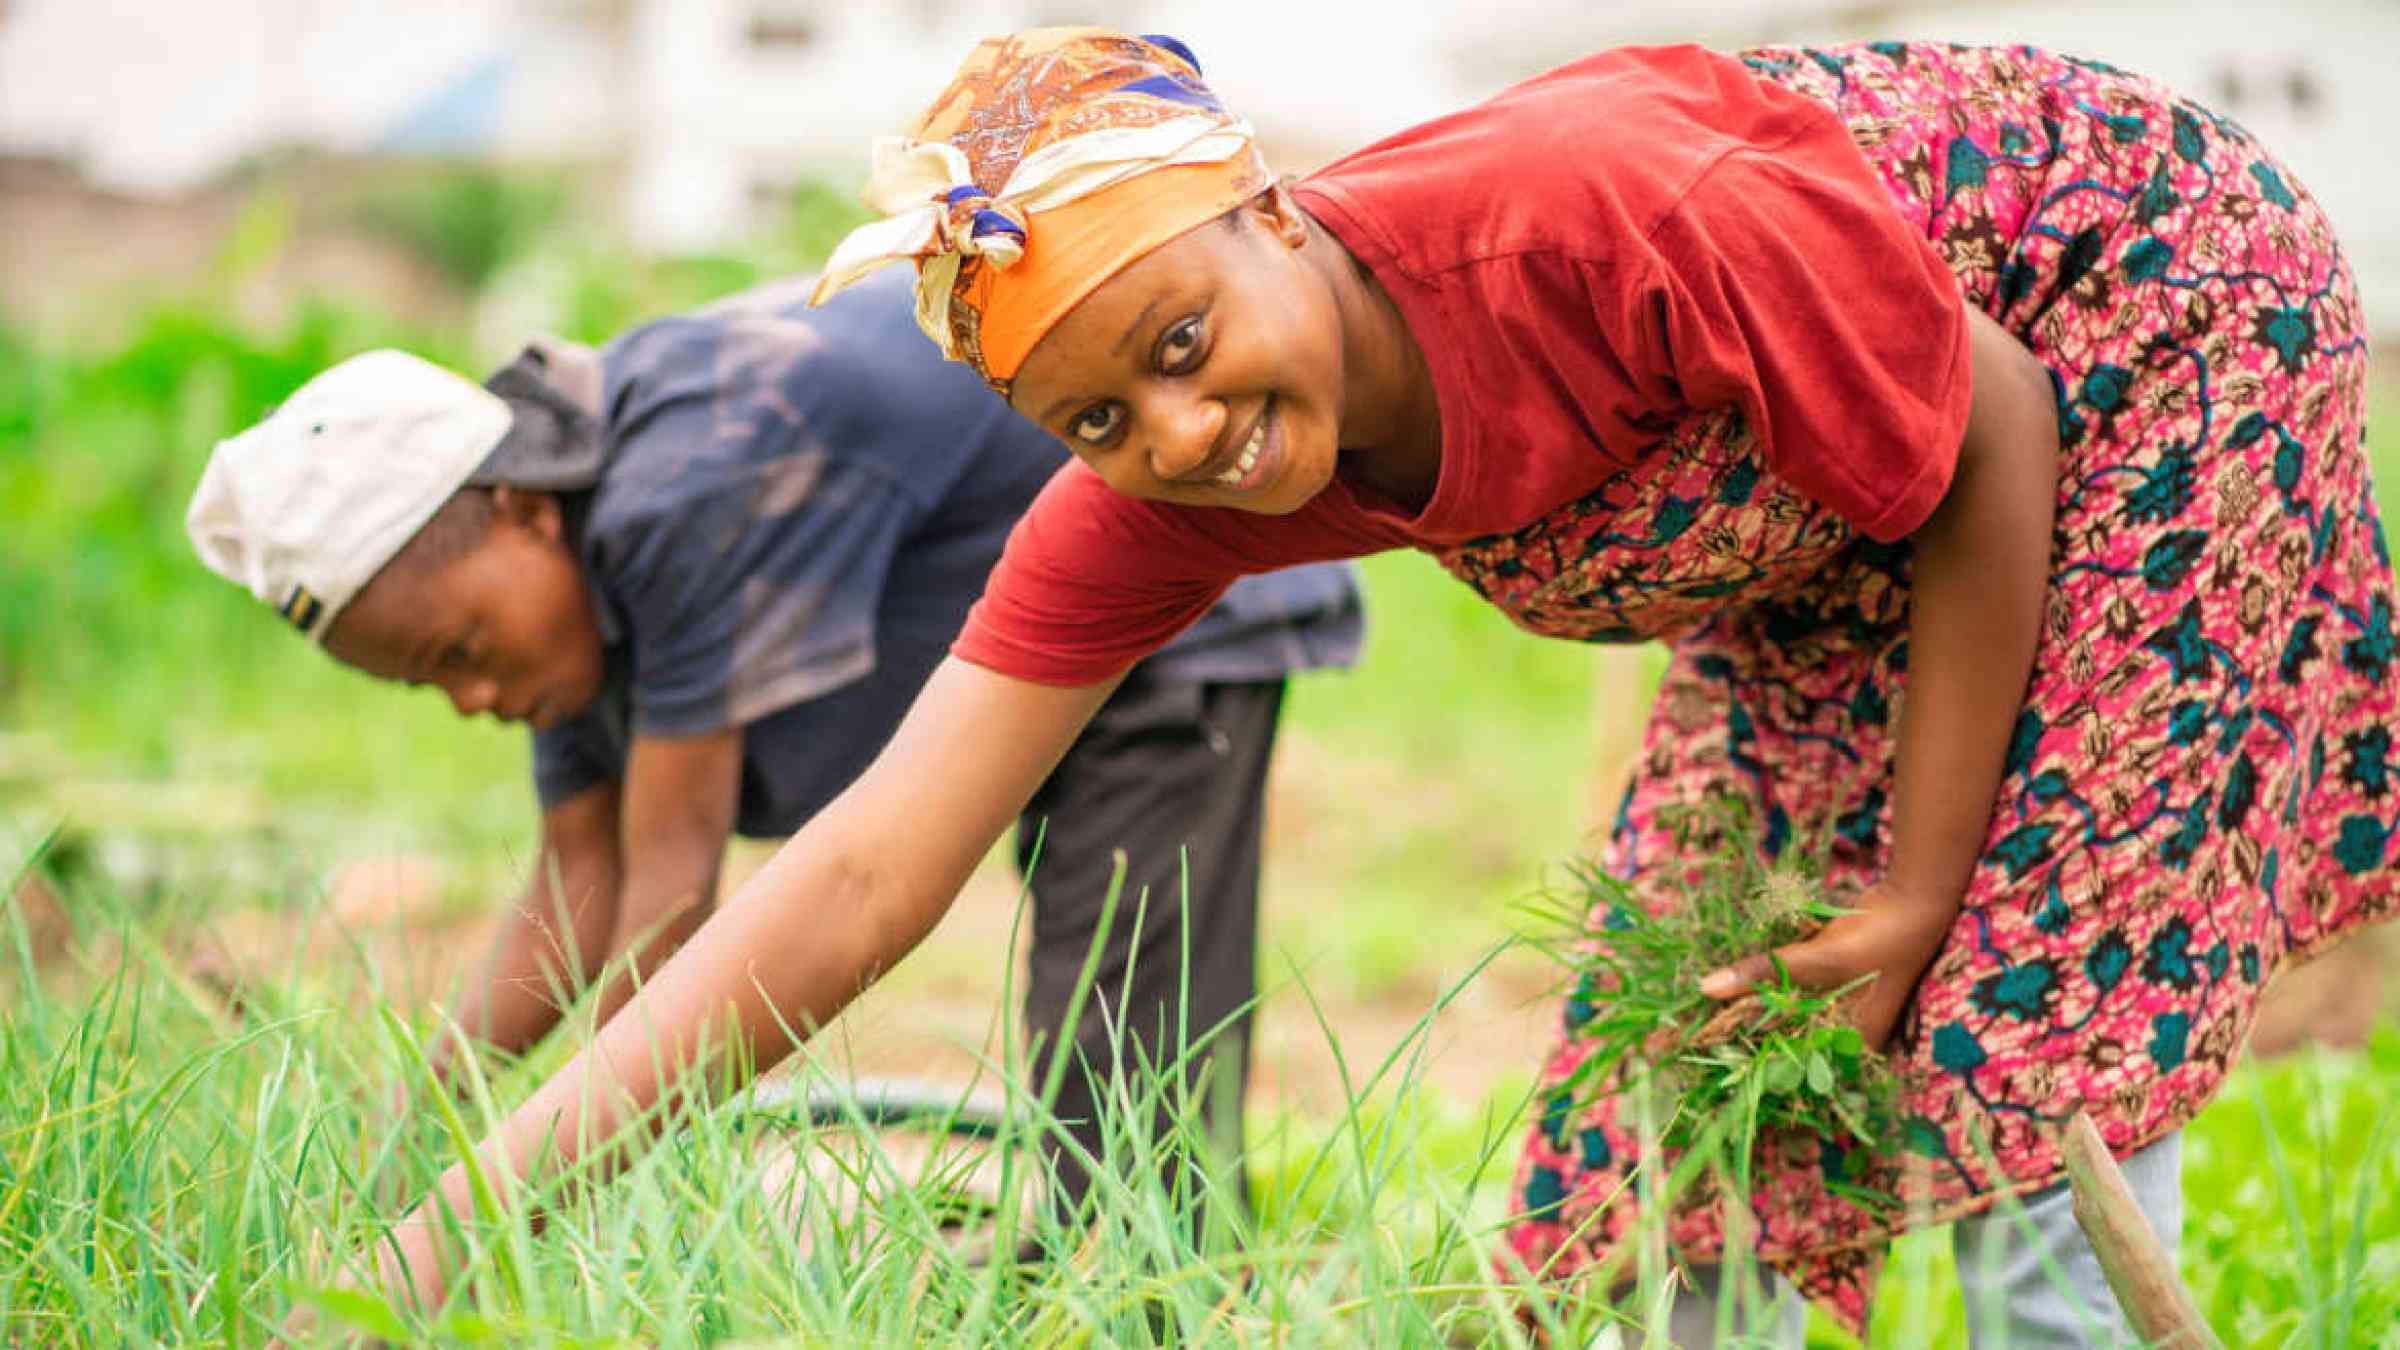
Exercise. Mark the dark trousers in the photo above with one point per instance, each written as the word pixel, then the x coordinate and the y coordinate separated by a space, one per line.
pixel 1173 772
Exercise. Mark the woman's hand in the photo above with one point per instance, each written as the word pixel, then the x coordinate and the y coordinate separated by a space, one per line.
pixel 408 1265
pixel 410 1276
pixel 1979 573
pixel 1886 935
pixel 865 880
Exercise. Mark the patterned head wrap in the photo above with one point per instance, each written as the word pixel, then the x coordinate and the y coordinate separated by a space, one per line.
pixel 1053 159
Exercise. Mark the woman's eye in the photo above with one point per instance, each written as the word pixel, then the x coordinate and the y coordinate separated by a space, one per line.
pixel 1094 425
pixel 1177 345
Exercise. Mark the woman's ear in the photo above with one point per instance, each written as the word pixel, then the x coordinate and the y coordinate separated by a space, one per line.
pixel 1278 213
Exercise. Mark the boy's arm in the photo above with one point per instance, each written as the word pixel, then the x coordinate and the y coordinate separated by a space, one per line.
pixel 552 938
pixel 620 869
pixel 680 795
pixel 851 894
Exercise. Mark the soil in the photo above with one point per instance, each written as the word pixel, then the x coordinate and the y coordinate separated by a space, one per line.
pixel 95 247
pixel 46 929
pixel 2333 1001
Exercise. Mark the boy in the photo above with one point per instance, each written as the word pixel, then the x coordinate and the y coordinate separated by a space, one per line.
pixel 710 565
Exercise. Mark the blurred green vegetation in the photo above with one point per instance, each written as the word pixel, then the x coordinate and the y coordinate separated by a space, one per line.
pixel 468 219
pixel 120 648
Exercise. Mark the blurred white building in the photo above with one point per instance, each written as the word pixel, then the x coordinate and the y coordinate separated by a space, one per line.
pixel 712 105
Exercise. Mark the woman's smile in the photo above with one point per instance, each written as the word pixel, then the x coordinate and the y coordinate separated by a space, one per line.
pixel 1250 463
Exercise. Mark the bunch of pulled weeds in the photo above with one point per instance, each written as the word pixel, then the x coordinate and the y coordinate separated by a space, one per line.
pixel 1723 1079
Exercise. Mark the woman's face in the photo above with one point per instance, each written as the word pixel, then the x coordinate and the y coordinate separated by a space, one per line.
pixel 1209 372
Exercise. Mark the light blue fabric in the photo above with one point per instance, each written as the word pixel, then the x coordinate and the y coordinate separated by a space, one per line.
pixel 2015 1303
pixel 2030 1279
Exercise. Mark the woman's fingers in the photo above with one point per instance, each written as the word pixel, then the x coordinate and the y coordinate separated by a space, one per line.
pixel 1748 973
pixel 1821 962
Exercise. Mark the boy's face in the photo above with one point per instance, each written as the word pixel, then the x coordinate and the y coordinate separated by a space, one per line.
pixel 1208 372
pixel 504 627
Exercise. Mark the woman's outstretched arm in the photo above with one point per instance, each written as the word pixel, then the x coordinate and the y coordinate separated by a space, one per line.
pixel 845 899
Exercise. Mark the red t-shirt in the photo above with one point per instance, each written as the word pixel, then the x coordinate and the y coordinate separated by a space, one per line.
pixel 1587 260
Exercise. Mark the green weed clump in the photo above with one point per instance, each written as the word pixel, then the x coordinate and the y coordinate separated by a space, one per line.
pixel 1778 1062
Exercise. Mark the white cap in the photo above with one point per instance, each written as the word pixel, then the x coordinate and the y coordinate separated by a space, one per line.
pixel 307 506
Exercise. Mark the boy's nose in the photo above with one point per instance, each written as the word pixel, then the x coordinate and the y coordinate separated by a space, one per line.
pixel 473 696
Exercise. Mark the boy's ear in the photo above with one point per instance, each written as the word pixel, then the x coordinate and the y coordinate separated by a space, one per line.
pixel 530 510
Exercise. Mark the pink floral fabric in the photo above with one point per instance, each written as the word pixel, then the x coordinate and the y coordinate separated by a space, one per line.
pixel 2199 788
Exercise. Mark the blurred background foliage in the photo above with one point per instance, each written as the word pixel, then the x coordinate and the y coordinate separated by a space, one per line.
pixel 1423 792
pixel 468 219
pixel 123 663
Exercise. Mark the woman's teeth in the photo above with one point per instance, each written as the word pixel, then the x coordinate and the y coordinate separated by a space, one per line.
pixel 1248 459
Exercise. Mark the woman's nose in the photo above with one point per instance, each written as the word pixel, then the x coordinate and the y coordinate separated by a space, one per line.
pixel 1183 433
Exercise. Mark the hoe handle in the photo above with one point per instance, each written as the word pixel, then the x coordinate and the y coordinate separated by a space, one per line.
pixel 2139 1269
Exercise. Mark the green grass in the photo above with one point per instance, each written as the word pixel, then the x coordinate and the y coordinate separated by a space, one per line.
pixel 171 1175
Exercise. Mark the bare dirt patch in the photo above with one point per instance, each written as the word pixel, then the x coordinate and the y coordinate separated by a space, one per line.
pixel 937 1016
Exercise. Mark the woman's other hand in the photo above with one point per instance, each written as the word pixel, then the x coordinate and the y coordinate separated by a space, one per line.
pixel 1886 938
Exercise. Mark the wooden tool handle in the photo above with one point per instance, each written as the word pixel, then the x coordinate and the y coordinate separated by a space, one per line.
pixel 2139 1269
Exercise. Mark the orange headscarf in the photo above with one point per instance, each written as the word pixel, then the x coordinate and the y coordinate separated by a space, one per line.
pixel 1053 159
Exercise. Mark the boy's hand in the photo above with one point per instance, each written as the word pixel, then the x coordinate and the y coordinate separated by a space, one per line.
pixel 1886 935
pixel 214 969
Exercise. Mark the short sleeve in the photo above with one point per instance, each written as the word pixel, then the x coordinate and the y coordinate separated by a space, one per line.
pixel 759 595
pixel 1795 288
pixel 584 751
pixel 1092 582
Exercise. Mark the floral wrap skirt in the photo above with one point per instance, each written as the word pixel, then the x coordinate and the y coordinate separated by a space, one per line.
pixel 2199 787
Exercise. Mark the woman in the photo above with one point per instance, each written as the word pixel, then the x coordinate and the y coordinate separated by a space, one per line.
pixel 1981 428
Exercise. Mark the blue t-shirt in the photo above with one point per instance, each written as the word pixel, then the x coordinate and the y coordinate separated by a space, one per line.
pixel 794 510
